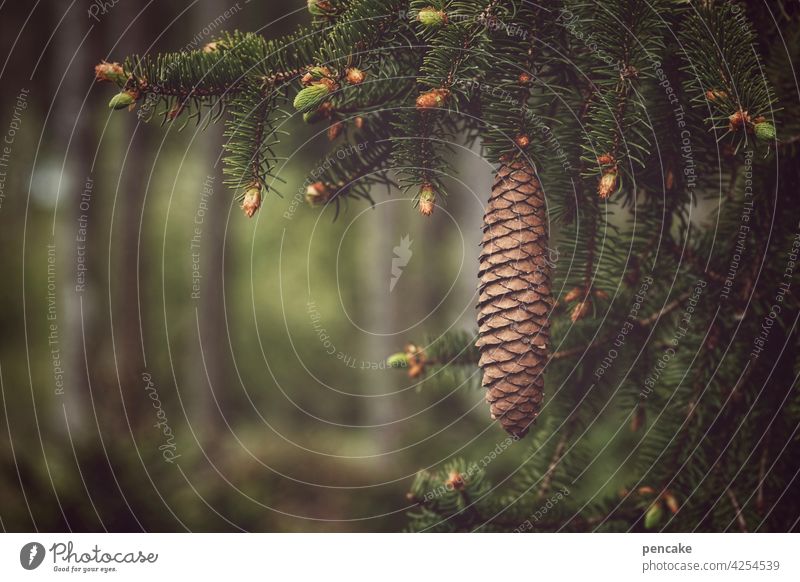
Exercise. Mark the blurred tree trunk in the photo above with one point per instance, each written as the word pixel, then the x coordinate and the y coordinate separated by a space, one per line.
pixel 73 138
pixel 126 279
pixel 212 385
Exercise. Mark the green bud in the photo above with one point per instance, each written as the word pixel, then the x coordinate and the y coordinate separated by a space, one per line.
pixel 121 100
pixel 319 7
pixel 431 17
pixel 311 97
pixel 653 516
pixel 398 360
pixel 765 131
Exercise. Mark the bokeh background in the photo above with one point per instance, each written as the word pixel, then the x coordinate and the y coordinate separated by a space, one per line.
pixel 257 401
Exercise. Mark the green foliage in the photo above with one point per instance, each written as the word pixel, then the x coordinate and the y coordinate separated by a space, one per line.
pixel 631 99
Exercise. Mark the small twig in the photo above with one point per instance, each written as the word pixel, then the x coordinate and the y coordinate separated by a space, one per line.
pixel 739 516
pixel 762 472
pixel 641 323
pixel 557 456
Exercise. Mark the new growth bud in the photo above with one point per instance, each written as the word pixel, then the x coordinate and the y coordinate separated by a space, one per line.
pixel 427 200
pixel 312 96
pixel 252 200
pixel 608 184
pixel 319 7
pixel 112 72
pixel 432 99
pixel 355 76
pixel 122 100
pixel 765 131
pixel 317 194
pixel 430 16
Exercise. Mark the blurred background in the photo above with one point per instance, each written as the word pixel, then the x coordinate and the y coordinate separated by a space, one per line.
pixel 167 364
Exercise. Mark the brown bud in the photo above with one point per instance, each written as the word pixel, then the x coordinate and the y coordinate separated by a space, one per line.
pixel 671 502
pixel 335 129
pixel 110 72
pixel 522 141
pixel 739 120
pixel 669 180
pixel 358 122
pixel 715 95
pixel 605 159
pixel 581 310
pixel 252 200
pixel 416 361
pixel 317 194
pixel 600 294
pixel 355 76
pixel 456 481
pixel 524 79
pixel 432 99
pixel 574 294
pixel 645 490
pixel 608 184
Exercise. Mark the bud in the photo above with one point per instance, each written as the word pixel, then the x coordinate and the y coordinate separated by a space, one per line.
pixel 739 120
pixel 765 131
pixel 312 96
pixel 653 516
pixel 455 480
pixel 211 47
pixel 359 122
pixel 430 16
pixel 315 74
pixel 399 360
pixel 671 502
pixel 600 294
pixel 608 184
pixel 427 200
pixel 252 200
pixel 581 310
pixel 524 79
pixel 433 98
pixel 122 100
pixel 715 95
pixel 110 72
pixel 355 76
pixel 317 194
pixel 416 361
pixel 319 7
pixel 605 159
pixel 334 130
pixel 669 180
pixel 522 141
pixel 573 294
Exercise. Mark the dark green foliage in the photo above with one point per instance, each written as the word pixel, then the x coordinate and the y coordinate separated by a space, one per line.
pixel 661 378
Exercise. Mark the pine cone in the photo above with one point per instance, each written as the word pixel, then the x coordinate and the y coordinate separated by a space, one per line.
pixel 515 297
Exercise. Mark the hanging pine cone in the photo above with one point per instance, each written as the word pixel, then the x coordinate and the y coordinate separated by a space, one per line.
pixel 515 297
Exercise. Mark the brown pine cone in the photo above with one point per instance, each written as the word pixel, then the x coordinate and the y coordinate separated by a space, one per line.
pixel 515 297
